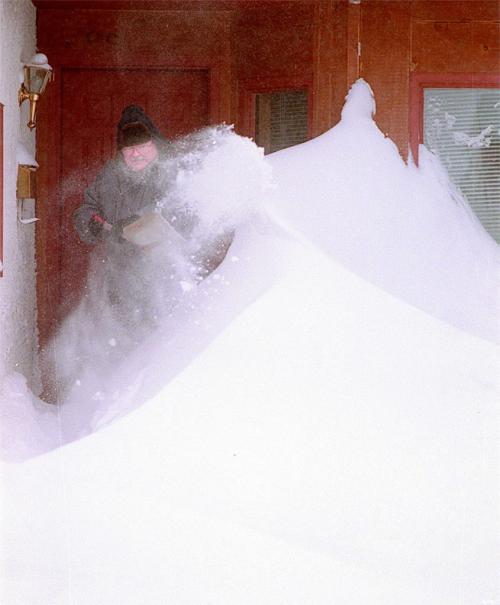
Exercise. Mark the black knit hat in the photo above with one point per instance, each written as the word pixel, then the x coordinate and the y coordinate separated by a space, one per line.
pixel 136 127
pixel 134 133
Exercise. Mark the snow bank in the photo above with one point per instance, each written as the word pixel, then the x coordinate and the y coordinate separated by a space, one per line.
pixel 331 444
pixel 28 426
pixel 292 433
pixel 403 228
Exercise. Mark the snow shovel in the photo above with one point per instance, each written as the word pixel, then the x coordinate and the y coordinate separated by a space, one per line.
pixel 151 229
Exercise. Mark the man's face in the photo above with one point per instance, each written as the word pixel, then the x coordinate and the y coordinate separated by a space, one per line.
pixel 137 157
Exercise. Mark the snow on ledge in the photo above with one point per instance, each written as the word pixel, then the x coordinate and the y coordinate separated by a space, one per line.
pixel 359 102
pixel 25 157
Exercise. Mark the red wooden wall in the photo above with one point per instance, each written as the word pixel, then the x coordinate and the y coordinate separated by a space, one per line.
pixel 80 41
pixel 247 46
pixel 243 46
pixel 400 38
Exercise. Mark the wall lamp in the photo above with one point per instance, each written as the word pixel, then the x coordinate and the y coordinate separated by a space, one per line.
pixel 37 74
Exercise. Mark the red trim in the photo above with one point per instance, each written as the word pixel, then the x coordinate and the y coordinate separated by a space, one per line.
pixel 353 29
pixel 420 81
pixel 49 204
pixel 250 88
pixel 1 190
pixel 156 5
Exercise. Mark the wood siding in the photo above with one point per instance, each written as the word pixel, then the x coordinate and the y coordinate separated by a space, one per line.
pixel 250 46
pixel 404 37
pixel 105 40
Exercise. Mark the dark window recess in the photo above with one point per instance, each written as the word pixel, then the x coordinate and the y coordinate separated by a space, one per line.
pixel 281 119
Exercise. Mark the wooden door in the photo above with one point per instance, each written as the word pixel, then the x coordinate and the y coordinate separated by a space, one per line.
pixel 92 102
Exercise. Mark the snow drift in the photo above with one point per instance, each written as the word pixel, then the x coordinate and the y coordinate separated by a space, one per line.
pixel 300 435
pixel 403 228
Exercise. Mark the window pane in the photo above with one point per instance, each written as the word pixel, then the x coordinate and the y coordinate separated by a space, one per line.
pixel 462 126
pixel 281 119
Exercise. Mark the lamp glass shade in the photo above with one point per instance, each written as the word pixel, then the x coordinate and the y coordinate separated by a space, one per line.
pixel 36 78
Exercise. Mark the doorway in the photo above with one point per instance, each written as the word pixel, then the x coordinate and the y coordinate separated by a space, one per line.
pixel 91 105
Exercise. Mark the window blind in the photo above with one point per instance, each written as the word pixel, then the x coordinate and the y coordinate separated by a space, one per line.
pixel 281 119
pixel 462 126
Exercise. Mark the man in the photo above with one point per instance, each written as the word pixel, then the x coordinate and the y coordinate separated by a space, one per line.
pixel 128 184
pixel 136 275
pixel 140 279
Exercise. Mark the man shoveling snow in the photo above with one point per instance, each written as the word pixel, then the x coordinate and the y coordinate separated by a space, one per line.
pixel 148 240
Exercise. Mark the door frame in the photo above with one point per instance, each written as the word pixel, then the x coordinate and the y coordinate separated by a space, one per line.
pixel 419 81
pixel 49 157
pixel 248 89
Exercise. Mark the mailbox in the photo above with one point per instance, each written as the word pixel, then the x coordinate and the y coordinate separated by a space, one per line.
pixel 26 182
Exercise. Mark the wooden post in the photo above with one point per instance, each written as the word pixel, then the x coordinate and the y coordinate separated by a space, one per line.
pixel 353 43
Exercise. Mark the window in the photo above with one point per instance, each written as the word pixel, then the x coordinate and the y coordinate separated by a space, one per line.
pixel 462 126
pixel 281 119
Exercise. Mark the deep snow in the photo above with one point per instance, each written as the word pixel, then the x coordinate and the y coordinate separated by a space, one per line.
pixel 302 431
pixel 405 229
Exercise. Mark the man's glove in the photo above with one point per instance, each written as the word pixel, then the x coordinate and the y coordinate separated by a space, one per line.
pixel 96 225
pixel 117 229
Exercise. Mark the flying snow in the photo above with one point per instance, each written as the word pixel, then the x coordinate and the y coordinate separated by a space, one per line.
pixel 221 178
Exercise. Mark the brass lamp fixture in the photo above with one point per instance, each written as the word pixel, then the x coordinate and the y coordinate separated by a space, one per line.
pixel 37 74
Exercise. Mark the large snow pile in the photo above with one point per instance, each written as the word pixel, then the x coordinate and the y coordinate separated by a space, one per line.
pixel 403 228
pixel 304 435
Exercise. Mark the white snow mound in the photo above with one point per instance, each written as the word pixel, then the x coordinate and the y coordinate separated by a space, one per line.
pixel 293 433
pixel 403 228
pixel 329 428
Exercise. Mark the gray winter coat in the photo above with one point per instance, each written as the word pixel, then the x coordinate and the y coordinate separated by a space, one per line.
pixel 138 281
pixel 118 193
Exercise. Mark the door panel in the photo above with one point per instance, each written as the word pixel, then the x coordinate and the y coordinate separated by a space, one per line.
pixel 92 102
